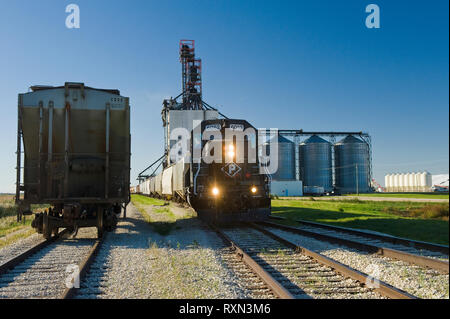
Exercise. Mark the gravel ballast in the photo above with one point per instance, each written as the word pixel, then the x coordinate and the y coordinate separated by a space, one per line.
pixel 137 262
pixel 375 242
pixel 20 246
pixel 191 261
pixel 44 274
pixel 421 282
pixel 301 275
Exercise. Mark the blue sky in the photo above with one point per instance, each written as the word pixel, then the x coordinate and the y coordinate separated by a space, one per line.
pixel 287 64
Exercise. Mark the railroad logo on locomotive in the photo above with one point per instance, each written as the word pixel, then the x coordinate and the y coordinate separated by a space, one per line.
pixel 231 169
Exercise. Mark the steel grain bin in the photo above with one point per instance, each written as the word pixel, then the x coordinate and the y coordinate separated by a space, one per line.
pixel 352 165
pixel 286 159
pixel 315 163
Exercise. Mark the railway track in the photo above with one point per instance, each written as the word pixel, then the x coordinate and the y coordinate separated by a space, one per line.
pixel 373 243
pixel 407 245
pixel 264 281
pixel 290 271
pixel 44 271
pixel 249 278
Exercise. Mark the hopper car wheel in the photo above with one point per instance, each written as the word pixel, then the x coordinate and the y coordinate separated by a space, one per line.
pixel 100 223
pixel 47 231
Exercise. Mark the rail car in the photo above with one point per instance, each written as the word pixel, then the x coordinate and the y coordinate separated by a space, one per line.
pixel 223 182
pixel 76 145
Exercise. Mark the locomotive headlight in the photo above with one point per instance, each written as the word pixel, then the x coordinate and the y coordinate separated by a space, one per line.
pixel 253 189
pixel 215 191
pixel 230 150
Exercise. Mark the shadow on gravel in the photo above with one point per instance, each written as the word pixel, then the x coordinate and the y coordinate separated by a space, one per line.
pixel 163 228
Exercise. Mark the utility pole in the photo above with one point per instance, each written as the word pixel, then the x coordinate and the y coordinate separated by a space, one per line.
pixel 357 182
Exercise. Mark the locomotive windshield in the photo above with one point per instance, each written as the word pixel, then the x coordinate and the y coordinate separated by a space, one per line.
pixel 232 142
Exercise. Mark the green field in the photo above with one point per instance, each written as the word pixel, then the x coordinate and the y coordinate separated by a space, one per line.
pixel 404 195
pixel 10 229
pixel 414 220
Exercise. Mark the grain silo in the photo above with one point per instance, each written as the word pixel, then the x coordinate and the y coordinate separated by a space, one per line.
pixel 286 159
pixel 391 183
pixel 410 178
pixel 416 182
pixel 396 182
pixel 387 182
pixel 352 165
pixel 425 182
pixel 402 182
pixel 315 163
pixel 409 182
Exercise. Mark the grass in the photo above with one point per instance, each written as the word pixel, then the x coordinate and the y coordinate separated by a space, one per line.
pixel 144 200
pixel 12 238
pixel 10 229
pixel 161 218
pixel 405 195
pixel 414 220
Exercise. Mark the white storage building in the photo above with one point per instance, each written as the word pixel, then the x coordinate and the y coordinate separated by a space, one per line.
pixel 286 188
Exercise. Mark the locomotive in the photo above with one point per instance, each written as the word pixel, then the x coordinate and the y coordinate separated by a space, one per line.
pixel 76 145
pixel 220 176
pixel 211 163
